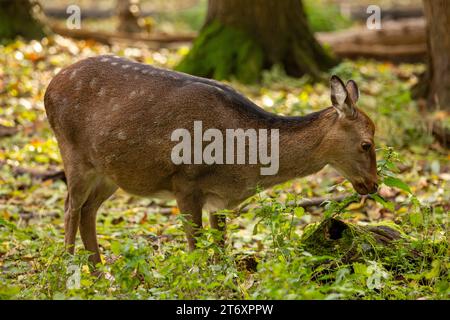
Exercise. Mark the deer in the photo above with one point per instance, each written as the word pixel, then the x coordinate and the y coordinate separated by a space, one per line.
pixel 113 119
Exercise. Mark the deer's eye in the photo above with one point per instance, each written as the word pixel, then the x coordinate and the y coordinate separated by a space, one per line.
pixel 366 146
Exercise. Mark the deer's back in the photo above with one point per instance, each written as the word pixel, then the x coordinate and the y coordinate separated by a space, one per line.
pixel 118 116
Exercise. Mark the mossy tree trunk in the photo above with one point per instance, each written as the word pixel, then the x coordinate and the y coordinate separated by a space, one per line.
pixel 16 19
pixel 242 38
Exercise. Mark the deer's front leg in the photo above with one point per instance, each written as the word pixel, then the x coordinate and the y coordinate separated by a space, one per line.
pixel 191 205
pixel 218 222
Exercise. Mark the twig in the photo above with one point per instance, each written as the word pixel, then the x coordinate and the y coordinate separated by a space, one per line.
pixel 7 131
pixel 306 203
pixel 37 174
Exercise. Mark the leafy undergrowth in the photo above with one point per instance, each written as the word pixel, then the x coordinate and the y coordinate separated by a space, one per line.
pixel 267 255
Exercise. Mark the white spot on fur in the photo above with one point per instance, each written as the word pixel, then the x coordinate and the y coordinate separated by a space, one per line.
pixel 92 83
pixel 144 71
pixel 101 93
pixel 114 63
pixel 121 135
pixel 125 66
pixel 104 60
pixel 136 68
pixel 73 74
pixel 115 107
pixel 132 94
pixel 77 106
pixel 79 84
pixel 136 77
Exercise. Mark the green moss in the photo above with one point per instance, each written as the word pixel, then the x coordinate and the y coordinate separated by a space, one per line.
pixel 348 241
pixel 222 52
pixel 310 66
pixel 330 237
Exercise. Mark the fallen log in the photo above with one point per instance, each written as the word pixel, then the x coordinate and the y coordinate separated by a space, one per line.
pixel 360 13
pixel 402 32
pixel 87 13
pixel 350 241
pixel 109 37
pixel 403 40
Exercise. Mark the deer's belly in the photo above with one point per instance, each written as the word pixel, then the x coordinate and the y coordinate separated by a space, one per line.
pixel 163 195
pixel 214 203
pixel 141 182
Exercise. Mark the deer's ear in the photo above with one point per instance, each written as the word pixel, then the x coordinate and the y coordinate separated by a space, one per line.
pixel 352 90
pixel 339 97
pixel 338 91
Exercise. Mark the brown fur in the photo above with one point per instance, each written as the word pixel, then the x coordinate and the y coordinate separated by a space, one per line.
pixel 113 119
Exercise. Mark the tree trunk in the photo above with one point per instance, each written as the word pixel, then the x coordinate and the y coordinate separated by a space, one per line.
pixel 128 12
pixel 16 19
pixel 434 84
pixel 437 13
pixel 242 38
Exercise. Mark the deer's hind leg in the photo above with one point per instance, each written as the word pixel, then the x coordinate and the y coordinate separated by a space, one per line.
pixel 190 204
pixel 79 184
pixel 102 189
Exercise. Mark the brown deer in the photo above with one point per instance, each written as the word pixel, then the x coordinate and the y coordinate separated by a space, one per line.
pixel 113 119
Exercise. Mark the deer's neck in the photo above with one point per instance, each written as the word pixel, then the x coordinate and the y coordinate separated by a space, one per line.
pixel 302 149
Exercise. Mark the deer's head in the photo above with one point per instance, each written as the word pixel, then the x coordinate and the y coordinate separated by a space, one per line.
pixel 350 139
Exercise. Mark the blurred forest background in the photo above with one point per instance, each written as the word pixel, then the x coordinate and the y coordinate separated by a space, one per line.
pixel 282 244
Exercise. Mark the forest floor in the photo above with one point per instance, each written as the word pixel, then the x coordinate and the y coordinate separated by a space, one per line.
pixel 268 254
